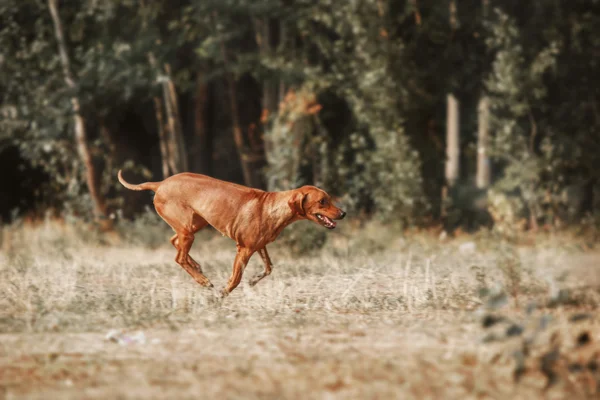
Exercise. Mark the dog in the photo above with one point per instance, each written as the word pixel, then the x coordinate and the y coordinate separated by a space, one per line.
pixel 253 218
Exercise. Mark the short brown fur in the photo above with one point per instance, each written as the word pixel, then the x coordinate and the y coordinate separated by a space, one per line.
pixel 253 218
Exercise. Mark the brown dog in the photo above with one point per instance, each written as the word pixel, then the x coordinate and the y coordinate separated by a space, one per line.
pixel 253 218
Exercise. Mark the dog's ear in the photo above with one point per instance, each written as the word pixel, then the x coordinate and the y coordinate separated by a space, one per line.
pixel 296 203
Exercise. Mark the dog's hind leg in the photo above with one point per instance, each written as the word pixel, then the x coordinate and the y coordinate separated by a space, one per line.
pixel 197 224
pixel 185 244
pixel 268 267
pixel 185 223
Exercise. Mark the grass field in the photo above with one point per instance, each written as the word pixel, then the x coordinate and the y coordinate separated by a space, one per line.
pixel 367 317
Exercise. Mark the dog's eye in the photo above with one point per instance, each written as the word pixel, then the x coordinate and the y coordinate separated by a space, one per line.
pixel 323 202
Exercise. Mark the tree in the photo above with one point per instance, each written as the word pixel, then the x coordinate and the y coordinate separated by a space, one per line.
pixel 238 134
pixel 452 169
pixel 542 155
pixel 80 131
pixel 483 178
pixel 203 144
pixel 174 155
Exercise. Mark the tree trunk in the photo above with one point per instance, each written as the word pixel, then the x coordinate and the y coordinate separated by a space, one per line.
pixel 172 143
pixel 270 85
pixel 452 169
pixel 170 134
pixel 269 98
pixel 162 137
pixel 174 118
pixel 264 41
pixel 203 140
pixel 483 179
pixel 108 179
pixel 98 202
pixel 452 141
pixel 238 135
pixel 283 43
pixel 176 140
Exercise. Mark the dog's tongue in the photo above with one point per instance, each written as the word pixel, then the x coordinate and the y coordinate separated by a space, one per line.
pixel 329 221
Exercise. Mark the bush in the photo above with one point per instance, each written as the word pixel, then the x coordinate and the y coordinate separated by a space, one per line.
pixel 303 238
pixel 147 229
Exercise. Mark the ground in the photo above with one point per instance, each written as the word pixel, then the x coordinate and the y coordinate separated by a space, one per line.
pixel 366 317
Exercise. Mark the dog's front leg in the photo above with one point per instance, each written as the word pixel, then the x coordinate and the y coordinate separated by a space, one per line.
pixel 241 260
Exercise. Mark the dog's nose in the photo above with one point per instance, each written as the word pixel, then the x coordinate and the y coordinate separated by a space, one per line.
pixel 342 214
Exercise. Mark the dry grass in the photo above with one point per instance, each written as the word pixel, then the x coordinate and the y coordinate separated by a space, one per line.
pixel 367 317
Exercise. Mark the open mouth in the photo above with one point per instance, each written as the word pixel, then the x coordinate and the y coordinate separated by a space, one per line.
pixel 326 221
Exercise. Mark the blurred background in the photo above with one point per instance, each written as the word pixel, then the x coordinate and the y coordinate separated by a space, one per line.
pixel 458 113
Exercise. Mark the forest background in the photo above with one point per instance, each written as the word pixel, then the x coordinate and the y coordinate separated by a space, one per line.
pixel 419 112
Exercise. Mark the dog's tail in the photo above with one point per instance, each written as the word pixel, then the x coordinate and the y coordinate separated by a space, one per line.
pixel 142 186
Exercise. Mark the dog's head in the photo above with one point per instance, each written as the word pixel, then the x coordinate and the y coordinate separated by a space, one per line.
pixel 314 204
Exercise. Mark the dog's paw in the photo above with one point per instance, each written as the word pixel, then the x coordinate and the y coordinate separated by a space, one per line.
pixel 255 279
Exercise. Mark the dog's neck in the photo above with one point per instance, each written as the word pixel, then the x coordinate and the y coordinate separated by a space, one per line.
pixel 278 211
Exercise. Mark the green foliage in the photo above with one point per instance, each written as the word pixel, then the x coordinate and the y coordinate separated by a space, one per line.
pixel 303 238
pixel 374 160
pixel 108 46
pixel 297 144
pixel 397 192
pixel 380 70
pixel 543 152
